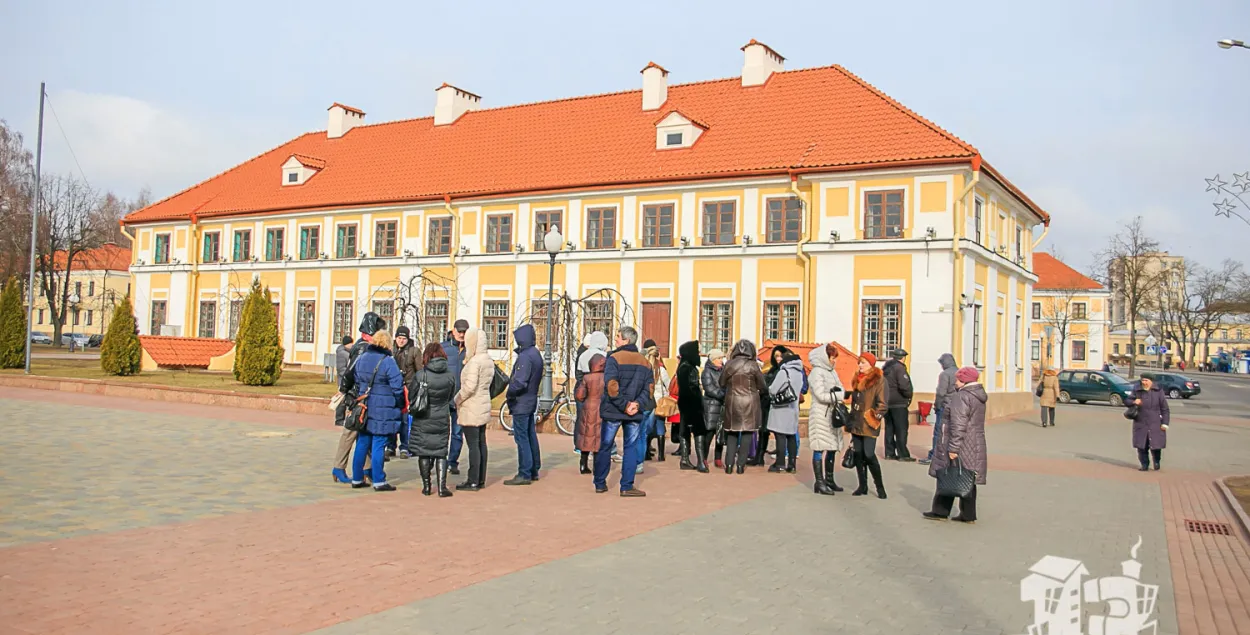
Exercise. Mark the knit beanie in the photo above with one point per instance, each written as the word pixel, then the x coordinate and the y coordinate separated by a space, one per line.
pixel 715 354
pixel 967 375
pixel 403 331
pixel 869 357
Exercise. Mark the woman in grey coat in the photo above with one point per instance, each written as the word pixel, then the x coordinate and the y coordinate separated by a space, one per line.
pixel 1150 426
pixel 783 418
pixel 963 438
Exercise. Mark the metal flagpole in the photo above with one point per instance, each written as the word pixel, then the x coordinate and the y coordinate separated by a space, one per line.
pixel 34 227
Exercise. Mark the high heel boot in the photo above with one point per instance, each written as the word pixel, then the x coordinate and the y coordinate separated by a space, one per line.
pixel 424 464
pixel 683 445
pixel 440 477
pixel 831 462
pixel 700 453
pixel 874 466
pixel 861 471
pixel 820 486
pixel 583 467
pixel 659 444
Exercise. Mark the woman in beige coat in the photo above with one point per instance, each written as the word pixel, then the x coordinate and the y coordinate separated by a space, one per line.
pixel 1048 391
pixel 473 406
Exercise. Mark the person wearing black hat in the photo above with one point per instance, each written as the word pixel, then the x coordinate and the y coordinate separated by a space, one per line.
pixel 408 358
pixel 370 323
pixel 898 400
pixel 453 346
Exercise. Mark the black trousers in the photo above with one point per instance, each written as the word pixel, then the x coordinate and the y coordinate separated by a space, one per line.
pixel 475 440
pixel 967 506
pixel 896 433
pixel 1145 454
pixel 737 447
pixel 865 448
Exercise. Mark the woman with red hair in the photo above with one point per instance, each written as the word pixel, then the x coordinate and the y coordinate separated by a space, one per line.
pixel 867 409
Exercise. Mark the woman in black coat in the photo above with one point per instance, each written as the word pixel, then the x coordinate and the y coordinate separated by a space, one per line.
pixel 690 405
pixel 1150 426
pixel 431 429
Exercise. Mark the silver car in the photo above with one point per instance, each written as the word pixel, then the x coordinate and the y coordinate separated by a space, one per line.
pixel 79 339
pixel 37 337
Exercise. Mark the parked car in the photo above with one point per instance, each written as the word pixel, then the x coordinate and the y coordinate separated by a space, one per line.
pixel 1093 385
pixel 80 339
pixel 95 340
pixel 37 337
pixel 1175 386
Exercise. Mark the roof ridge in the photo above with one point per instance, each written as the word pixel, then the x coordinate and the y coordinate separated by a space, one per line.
pixel 905 110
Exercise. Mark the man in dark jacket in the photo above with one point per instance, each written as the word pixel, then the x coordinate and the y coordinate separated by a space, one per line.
pixel 945 387
pixel 453 346
pixel 522 399
pixel 370 323
pixel 409 362
pixel 898 400
pixel 628 383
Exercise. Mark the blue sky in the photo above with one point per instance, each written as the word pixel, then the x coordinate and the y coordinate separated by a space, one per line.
pixel 1099 110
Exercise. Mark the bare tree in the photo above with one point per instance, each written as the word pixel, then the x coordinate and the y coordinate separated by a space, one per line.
pixel 1174 315
pixel 16 187
pixel 69 224
pixel 1057 314
pixel 1215 295
pixel 1131 269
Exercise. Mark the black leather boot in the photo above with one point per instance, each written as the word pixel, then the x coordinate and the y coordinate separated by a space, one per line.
pixel 650 454
pixel 683 448
pixel 424 465
pixel 874 466
pixel 440 477
pixel 831 462
pixel 700 453
pixel 659 444
pixel 819 487
pixel 861 471
pixel 583 467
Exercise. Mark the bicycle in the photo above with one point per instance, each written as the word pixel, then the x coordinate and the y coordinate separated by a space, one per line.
pixel 562 407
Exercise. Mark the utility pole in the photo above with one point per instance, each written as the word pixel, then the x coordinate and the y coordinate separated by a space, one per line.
pixel 34 229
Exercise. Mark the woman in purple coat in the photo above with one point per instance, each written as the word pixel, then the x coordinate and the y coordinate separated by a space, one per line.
pixel 1150 426
pixel 963 438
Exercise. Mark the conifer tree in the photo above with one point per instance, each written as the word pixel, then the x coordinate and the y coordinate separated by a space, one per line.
pixel 258 347
pixel 12 326
pixel 120 352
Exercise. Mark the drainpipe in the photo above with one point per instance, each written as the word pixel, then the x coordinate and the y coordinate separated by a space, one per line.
pixel 193 258
pixel 809 327
pixel 133 252
pixel 1045 230
pixel 454 300
pixel 957 260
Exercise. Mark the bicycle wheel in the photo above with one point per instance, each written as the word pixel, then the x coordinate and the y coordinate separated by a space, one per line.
pixel 505 418
pixel 566 417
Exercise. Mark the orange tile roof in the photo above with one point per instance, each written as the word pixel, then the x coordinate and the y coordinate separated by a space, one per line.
pixel 654 65
pixel 347 108
pixel 1052 273
pixel 811 120
pixel 183 351
pixel 109 257
pixel 310 162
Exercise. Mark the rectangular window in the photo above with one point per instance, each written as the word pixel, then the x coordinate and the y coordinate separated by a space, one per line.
pixel 306 321
pixel 1036 354
pixel 1016 339
pixel 212 247
pixel 1078 350
pixel 277 316
pixel 720 223
pixel 91 289
pixel 601 228
pixel 158 317
pixel 495 323
pixel 1079 311
pixel 208 318
pixel 41 316
pixel 1037 310
pixel 781 321
pixel 785 220
pixel 386 238
pixel 883 214
pixel 1141 349
pixel 439 243
pixel 977 220
pixel 90 315
pixel 1020 245
pixel 292 177
pixel 242 245
pixel 543 222
pixel 275 244
pixel 77 316
pixel 343 320
pixel 882 326
pixel 1115 349
pixel 672 139
pixel 976 337
pixel 78 289
pixel 1224 334
pixel 436 321
pixel 309 243
pixel 657 226
pixel 236 310
pixel 499 233
pixel 386 310
pixel 715 325
pixel 345 245
pixel 599 315
pixel 161 255
pixel 538 318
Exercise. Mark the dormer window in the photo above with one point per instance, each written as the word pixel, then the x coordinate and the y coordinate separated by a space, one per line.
pixel 675 130
pixel 299 168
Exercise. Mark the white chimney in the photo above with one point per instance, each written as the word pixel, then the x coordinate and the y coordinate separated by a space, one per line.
pixel 759 63
pixel 453 102
pixel 342 119
pixel 654 86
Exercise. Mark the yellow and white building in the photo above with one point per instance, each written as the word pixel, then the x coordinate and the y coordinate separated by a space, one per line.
pixel 796 205
pixel 1070 316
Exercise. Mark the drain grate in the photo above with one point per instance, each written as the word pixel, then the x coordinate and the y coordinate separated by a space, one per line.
pixel 1208 527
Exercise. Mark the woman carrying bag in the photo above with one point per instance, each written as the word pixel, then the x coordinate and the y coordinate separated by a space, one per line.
pixel 962 446
pixel 783 411
pixel 431 417
pixel 826 438
pixel 1150 423
pixel 743 384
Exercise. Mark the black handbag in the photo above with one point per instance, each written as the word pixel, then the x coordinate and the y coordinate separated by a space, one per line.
pixel 1038 392
pixel 420 405
pixel 357 418
pixel 838 416
pixel 1132 411
pixel 848 459
pixel 955 480
pixel 785 396
pixel 499 382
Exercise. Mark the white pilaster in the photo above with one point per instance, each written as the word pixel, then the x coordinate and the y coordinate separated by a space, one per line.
pixel 289 299
pixel 749 308
pixel 629 221
pixel 689 217
pixel 630 292
pixel 686 309
pixel 750 212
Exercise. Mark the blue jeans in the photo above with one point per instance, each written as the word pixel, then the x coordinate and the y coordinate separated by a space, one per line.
pixel 457 440
pixel 645 429
pixel 603 458
pixel 375 445
pixel 529 459
pixel 937 432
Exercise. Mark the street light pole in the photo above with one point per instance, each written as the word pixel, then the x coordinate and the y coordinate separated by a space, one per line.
pixel 553 242
pixel 34 227
pixel 1227 44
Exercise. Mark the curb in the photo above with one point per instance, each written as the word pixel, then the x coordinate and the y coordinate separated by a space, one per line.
pixel 175 394
pixel 1242 518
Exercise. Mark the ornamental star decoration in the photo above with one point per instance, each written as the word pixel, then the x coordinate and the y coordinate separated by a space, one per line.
pixel 1224 208
pixel 1241 181
pixel 1227 206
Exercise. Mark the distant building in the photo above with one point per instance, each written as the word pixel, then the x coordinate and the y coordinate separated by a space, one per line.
pixel 98 281
pixel 1069 317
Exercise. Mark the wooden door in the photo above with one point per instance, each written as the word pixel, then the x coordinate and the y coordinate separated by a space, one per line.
pixel 657 324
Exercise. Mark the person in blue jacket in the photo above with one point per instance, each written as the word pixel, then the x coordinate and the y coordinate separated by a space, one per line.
pixel 522 399
pixel 376 377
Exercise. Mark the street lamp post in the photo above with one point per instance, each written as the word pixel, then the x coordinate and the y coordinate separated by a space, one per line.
pixel 1227 44
pixel 553 242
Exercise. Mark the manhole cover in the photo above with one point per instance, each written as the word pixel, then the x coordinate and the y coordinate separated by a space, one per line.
pixel 1208 527
pixel 268 434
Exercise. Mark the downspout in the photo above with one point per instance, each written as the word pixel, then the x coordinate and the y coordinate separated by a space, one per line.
pixel 133 254
pixel 1045 230
pixel 454 300
pixel 809 327
pixel 956 252
pixel 193 287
